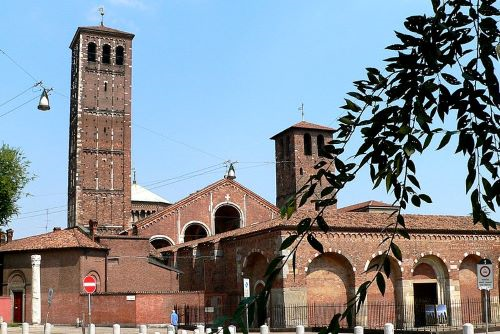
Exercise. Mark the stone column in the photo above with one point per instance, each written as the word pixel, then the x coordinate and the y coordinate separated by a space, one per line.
pixel 36 305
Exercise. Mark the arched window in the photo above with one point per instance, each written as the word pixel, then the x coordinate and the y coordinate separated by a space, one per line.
pixel 106 54
pixel 227 218
pixel 194 231
pixel 91 52
pixel 321 144
pixel 307 144
pixel 119 55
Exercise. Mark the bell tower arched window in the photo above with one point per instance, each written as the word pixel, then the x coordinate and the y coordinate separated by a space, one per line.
pixel 91 52
pixel 119 55
pixel 106 54
pixel 307 144
pixel 321 144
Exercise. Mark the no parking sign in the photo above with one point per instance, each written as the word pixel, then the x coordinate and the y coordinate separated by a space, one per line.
pixel 485 275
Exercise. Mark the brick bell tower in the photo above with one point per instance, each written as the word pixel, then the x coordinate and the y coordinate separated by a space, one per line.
pixel 297 150
pixel 100 128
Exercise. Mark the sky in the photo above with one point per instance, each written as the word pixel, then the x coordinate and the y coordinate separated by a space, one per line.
pixel 212 81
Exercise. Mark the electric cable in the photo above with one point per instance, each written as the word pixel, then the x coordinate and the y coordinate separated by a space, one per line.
pixel 14 109
pixel 178 142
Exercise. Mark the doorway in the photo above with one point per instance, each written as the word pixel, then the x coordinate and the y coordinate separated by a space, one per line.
pixel 18 306
pixel 423 294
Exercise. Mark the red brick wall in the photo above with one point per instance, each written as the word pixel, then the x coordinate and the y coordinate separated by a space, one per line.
pixel 202 208
pixel 108 309
pixel 100 133
pixel 61 270
pixel 129 269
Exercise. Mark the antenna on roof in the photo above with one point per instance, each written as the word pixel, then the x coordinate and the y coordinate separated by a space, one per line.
pixel 301 109
pixel 101 11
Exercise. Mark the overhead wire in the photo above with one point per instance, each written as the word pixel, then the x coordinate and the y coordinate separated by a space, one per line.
pixel 179 142
pixel 19 106
pixel 15 63
pixel 23 92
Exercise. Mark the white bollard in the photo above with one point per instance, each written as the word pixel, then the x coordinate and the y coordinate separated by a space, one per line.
pixel 358 330
pixel 232 329
pixel 264 329
pixel 201 329
pixel 91 329
pixel 388 328
pixel 3 328
pixel 157 332
pixel 143 329
pixel 220 330
pixel 47 328
pixel 183 331
pixel 25 328
pixel 208 331
pixel 196 331
pixel 116 329
pixel 171 330
pixel 468 328
pixel 299 329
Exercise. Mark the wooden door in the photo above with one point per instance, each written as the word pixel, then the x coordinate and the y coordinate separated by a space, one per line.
pixel 18 306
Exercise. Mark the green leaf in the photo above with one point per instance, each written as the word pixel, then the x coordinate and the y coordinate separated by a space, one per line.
pixel 387 266
pixel 380 283
pixel 445 140
pixel 304 225
pixel 404 233
pixel 425 198
pixel 450 79
pixel 288 241
pixel 413 180
pixel 415 200
pixel 322 224
pixel 396 251
pixel 315 243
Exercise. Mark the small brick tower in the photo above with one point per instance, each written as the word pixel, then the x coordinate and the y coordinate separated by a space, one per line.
pixel 100 132
pixel 297 150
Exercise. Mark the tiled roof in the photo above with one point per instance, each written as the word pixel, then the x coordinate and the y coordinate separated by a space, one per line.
pixel 361 222
pixel 305 125
pixel 158 216
pixel 367 204
pixel 69 238
pixel 141 194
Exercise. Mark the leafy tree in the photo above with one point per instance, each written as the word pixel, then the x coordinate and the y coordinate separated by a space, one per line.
pixel 440 84
pixel 14 176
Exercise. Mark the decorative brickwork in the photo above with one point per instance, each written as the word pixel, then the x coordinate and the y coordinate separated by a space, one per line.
pixel 100 119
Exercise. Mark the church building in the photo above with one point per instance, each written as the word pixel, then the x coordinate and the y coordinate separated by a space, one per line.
pixel 149 255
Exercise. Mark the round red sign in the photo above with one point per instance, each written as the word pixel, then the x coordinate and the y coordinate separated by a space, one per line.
pixel 89 284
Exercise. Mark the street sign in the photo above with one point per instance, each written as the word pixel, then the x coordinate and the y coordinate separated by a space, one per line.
pixel 246 287
pixel 89 284
pixel 485 276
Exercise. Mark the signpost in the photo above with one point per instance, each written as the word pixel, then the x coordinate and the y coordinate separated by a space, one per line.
pixel 246 294
pixel 89 285
pixel 485 282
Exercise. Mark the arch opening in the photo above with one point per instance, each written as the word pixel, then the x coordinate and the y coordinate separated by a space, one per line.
pixel 226 218
pixel 195 231
pixel 106 54
pixel 307 144
pixel 119 55
pixel 91 52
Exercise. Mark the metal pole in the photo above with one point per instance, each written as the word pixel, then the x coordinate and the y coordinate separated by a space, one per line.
pixel 246 320
pixel 486 307
pixel 90 312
